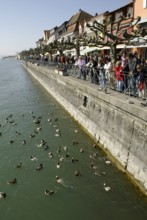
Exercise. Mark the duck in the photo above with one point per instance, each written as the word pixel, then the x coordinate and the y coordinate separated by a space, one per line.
pixel 59 180
pixel 74 160
pixel 58 165
pixel 67 155
pixel 32 135
pixel 61 158
pixel 43 142
pixel 93 167
pixel 46 147
pixel 17 133
pixel 33 158
pixel 49 192
pixel 77 173
pixel 74 142
pixel 58 134
pixel 81 150
pixel 49 119
pixel 19 165
pixel 11 141
pixel 39 129
pixel 59 150
pixel 65 148
pixel 108 162
pixel 2 195
pixel 107 188
pixel 50 154
pixel 14 181
pixel 24 142
pixel 58 130
pixel 40 167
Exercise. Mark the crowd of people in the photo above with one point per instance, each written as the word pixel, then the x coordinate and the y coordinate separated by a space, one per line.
pixel 128 74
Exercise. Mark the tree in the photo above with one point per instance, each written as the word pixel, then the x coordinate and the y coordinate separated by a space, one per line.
pixel 63 45
pixel 111 33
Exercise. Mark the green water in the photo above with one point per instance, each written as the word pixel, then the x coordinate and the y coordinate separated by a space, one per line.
pixel 23 100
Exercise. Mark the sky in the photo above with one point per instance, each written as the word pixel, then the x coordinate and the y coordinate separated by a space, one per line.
pixel 22 22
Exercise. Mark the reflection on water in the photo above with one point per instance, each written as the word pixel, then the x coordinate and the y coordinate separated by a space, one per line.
pixel 33 125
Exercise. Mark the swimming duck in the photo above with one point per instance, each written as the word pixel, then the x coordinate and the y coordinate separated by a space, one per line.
pixel 49 192
pixel 19 165
pixel 43 142
pixel 2 195
pixel 39 129
pixel 81 150
pixel 77 173
pixel 107 188
pixel 74 142
pixel 59 180
pixel 65 148
pixel 74 160
pixel 17 133
pixel 58 134
pixel 58 165
pixel 50 154
pixel 46 147
pixel 67 155
pixel 40 167
pixel 108 162
pixel 61 158
pixel 33 158
pixel 59 150
pixel 12 181
pixel 93 167
pixel 11 141
pixel 24 142
pixel 32 135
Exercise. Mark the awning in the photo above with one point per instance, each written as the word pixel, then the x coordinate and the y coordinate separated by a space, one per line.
pixel 87 50
pixel 137 46
pixel 143 20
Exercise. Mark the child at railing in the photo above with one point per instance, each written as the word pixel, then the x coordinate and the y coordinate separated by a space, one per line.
pixel 141 81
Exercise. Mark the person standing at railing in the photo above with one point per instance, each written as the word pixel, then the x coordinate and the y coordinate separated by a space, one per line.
pixel 92 65
pixel 119 76
pixel 81 63
pixel 101 72
pixel 141 81
pixel 131 75
pixel 108 70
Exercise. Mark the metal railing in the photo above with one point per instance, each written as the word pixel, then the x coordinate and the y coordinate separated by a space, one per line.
pixel 92 75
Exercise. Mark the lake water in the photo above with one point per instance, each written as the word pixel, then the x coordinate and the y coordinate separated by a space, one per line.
pixel 28 112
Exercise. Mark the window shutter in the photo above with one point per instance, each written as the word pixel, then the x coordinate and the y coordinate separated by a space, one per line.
pixel 144 3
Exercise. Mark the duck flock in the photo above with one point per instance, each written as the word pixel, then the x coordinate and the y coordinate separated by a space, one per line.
pixel 59 155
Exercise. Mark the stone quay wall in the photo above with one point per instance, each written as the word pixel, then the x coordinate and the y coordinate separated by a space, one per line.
pixel 118 127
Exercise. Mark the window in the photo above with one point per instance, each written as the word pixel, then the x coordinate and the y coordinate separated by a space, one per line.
pixel 144 3
pixel 117 15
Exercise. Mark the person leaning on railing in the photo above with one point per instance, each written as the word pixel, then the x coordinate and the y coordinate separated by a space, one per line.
pixel 131 74
pixel 119 76
pixel 141 81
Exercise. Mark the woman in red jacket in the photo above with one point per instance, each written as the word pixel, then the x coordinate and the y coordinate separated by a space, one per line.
pixel 119 76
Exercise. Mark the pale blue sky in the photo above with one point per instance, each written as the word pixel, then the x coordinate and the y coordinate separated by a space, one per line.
pixel 22 22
